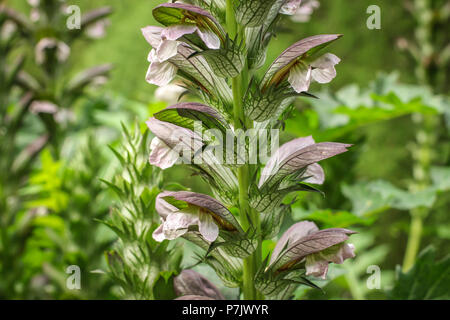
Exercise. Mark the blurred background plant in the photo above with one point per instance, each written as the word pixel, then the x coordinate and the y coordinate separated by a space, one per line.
pixel 142 267
pixel 395 110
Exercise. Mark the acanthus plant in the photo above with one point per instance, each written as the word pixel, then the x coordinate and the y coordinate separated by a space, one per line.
pixel 216 47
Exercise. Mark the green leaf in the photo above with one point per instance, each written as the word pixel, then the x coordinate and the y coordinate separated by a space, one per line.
pixel 197 71
pixel 185 114
pixel 252 13
pixel 440 177
pixel 428 279
pixel 370 197
pixel 226 62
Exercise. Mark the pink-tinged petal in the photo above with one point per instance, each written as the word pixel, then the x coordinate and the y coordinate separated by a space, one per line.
pixel 316 267
pixel 183 141
pixel 152 56
pixel 177 31
pixel 161 73
pixel 166 50
pixel 152 35
pixel 315 174
pixel 192 283
pixel 282 154
pixel 177 224
pixel 161 155
pixel 194 297
pixel 158 234
pixel 339 253
pixel 211 40
pixel 207 227
pixel 63 51
pixel 43 107
pixel 290 7
pixel 317 263
pixel 304 12
pixel 162 206
pixel 323 68
pixel 170 93
pixel 300 77
pixel 294 233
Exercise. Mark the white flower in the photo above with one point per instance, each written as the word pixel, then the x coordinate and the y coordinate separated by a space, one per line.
pixel 35 15
pixel 98 29
pixel 159 72
pixel 169 93
pixel 304 12
pixel 290 7
pixel 62 50
pixel 317 264
pixel 300 11
pixel 176 222
pixel 303 242
pixel 321 70
pixel 161 155
pixel 165 40
pixel 43 107
pixel 33 3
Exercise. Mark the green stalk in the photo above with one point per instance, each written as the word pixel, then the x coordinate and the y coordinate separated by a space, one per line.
pixel 248 216
pixel 426 136
pixel 412 248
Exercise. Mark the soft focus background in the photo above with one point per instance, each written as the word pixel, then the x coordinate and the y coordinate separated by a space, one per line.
pixel 373 188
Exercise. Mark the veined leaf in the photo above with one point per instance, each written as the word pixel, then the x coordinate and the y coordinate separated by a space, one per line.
pixel 252 13
pixel 227 61
pixel 261 106
pixel 176 13
pixel 186 113
pixel 197 70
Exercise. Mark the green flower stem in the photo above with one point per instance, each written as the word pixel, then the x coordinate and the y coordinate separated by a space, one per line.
pixel 427 124
pixel 248 217
pixel 412 248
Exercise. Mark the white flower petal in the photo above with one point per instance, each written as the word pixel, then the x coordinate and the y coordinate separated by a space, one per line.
pixel 166 50
pixel 315 173
pixel 315 266
pixel 323 68
pixel 161 155
pixel 177 224
pixel 163 207
pixel 211 40
pixel 158 234
pixel 340 253
pixel 290 7
pixel 177 31
pixel 152 35
pixel 300 77
pixel 170 93
pixel 161 73
pixel 207 227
